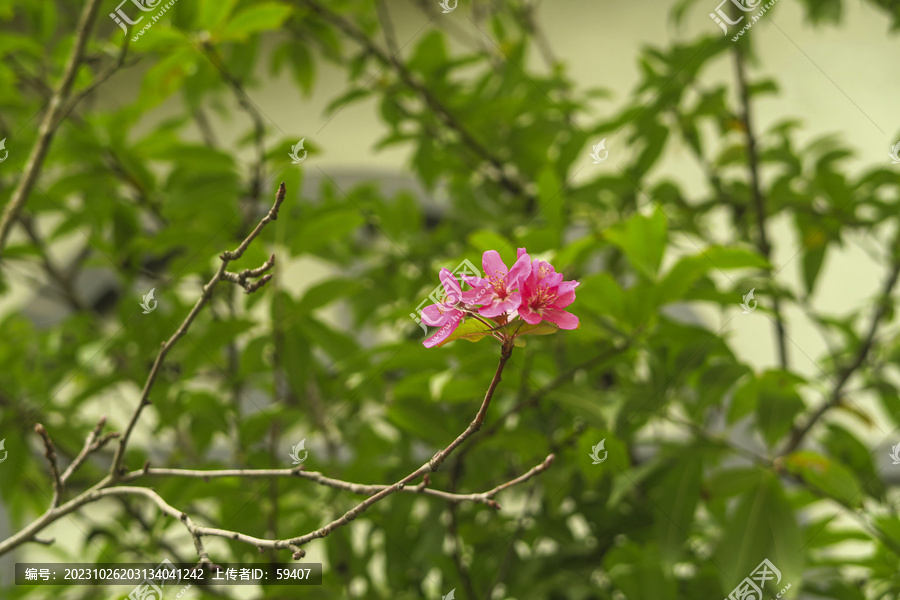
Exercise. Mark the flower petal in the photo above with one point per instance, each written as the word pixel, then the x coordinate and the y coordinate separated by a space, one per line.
pixel 519 271
pixel 565 320
pixel 443 333
pixel 451 286
pixel 434 315
pixel 498 307
pixel 529 316
pixel 493 265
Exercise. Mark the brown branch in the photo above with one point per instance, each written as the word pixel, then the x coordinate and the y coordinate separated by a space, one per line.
pixel 456 552
pixel 50 454
pixel 48 124
pixel 354 488
pixel 53 271
pixel 881 310
pixel 513 185
pixel 533 398
pixel 251 286
pixel 93 443
pixel 256 117
pixel 762 238
pixel 227 256
pixel 294 544
pixel 103 489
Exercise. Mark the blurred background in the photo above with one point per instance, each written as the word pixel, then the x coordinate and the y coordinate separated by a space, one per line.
pixel 432 137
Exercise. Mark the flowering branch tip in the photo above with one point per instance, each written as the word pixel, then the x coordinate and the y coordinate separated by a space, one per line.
pixel 507 303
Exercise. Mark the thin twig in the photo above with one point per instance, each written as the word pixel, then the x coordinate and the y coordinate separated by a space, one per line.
pixel 762 238
pixel 883 304
pixel 465 577
pixel 50 454
pixel 295 543
pixel 486 498
pixel 513 185
pixel 226 257
pixel 103 488
pixel 259 127
pixel 91 444
pixel 97 82
pixel 56 274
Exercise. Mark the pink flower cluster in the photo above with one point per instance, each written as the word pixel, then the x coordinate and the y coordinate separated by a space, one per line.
pixel 531 290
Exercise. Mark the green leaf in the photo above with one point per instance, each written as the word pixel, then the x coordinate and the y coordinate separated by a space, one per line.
pixel 638 573
pixel 551 198
pixel 762 526
pixel 320 230
pixel 643 240
pixel 521 328
pixel 430 54
pixel 325 293
pixel 778 402
pixel 604 295
pixel 675 501
pixel 728 483
pixel 827 475
pixel 470 330
pixel 687 270
pixel 421 419
pixel 212 13
pixel 253 19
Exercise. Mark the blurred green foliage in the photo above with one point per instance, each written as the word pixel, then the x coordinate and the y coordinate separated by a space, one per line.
pixel 696 490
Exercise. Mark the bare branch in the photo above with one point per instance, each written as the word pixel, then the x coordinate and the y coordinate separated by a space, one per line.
pixel 50 454
pixel 756 189
pixel 883 305
pixel 251 286
pixel 226 257
pixel 256 116
pixel 44 542
pixel 91 444
pixel 103 489
pixel 512 183
pixel 198 532
pixel 354 488
pixel 55 273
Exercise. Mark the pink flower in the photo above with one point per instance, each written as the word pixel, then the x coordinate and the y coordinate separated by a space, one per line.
pixel 530 290
pixel 445 314
pixel 545 295
pixel 495 290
